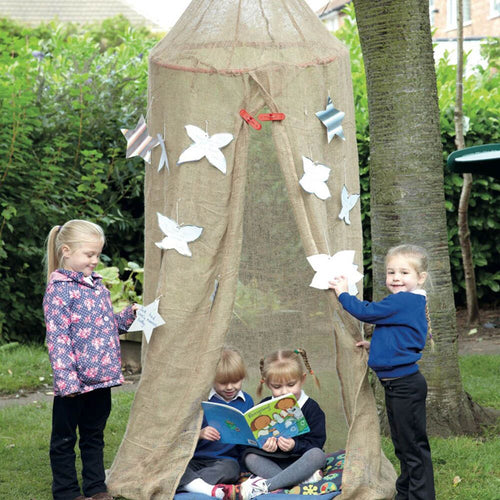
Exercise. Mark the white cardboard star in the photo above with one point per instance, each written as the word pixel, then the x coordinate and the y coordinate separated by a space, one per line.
pixel 147 319
pixel 205 146
pixel 348 202
pixel 332 119
pixel 177 237
pixel 328 267
pixel 314 178
pixel 139 142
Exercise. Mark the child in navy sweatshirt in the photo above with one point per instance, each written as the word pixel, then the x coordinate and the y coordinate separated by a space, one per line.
pixel 401 325
pixel 214 462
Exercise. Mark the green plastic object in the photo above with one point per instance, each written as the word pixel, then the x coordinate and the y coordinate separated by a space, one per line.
pixel 483 160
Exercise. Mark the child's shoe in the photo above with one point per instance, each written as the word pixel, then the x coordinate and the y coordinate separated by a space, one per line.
pixel 231 491
pixel 253 487
pixel 314 478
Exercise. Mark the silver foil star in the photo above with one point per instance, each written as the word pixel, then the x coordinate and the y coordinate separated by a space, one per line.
pixel 332 119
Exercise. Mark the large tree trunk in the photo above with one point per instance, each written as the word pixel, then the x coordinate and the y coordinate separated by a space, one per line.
pixel 407 195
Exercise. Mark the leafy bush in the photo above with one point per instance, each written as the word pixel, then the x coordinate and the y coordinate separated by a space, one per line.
pixel 64 95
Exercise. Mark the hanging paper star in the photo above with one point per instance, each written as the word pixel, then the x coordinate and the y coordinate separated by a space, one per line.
pixel 348 202
pixel 314 178
pixel 332 119
pixel 139 142
pixel 163 157
pixel 329 267
pixel 147 319
pixel 205 146
pixel 177 237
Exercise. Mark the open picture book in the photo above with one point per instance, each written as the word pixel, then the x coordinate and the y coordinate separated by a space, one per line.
pixel 274 418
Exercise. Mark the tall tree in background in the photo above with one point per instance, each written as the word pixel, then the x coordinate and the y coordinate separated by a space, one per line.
pixel 463 206
pixel 406 183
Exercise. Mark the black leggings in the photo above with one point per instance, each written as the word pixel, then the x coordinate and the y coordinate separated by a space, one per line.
pixel 88 412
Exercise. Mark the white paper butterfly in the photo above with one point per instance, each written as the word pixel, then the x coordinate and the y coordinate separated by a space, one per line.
pixel 177 237
pixel 314 178
pixel 329 267
pixel 205 145
pixel 348 202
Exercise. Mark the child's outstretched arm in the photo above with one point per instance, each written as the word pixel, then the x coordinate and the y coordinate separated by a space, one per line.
pixel 126 317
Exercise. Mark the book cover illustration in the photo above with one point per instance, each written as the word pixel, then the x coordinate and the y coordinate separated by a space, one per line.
pixel 274 418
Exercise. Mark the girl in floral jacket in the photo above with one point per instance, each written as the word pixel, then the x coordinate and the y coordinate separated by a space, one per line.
pixel 84 351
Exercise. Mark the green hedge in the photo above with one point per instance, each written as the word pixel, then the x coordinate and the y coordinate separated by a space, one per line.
pixel 64 95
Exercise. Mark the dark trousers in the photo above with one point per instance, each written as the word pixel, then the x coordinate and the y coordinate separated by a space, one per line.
pixel 212 471
pixel 405 404
pixel 88 412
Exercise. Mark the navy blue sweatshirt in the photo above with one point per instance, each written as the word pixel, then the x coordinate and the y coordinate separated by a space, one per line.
pixel 400 331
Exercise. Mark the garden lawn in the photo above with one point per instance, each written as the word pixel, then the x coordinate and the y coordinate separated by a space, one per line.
pixel 24 368
pixel 465 468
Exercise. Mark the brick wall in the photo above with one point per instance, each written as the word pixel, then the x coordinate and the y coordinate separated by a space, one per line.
pixel 482 24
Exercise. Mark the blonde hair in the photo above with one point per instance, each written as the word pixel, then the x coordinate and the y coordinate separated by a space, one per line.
pixel 282 365
pixel 230 367
pixel 418 258
pixel 71 234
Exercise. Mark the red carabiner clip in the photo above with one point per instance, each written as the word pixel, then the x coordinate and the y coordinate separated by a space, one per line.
pixel 265 117
pixel 250 119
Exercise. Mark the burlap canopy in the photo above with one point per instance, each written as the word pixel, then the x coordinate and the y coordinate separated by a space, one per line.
pixel 258 227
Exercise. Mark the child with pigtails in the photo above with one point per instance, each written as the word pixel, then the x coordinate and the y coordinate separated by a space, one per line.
pixel 284 462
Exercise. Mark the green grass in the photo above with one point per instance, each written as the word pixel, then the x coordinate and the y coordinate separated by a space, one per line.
pixel 25 432
pixel 24 367
pixel 24 446
pixel 465 468
pixel 481 378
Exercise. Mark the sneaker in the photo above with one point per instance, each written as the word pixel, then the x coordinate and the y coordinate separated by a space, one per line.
pixel 253 487
pixel 318 475
pixel 231 491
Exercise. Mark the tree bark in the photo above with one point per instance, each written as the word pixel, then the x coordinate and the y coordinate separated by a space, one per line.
pixel 463 206
pixel 406 176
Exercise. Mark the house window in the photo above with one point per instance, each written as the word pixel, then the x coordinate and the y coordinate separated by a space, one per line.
pixel 494 8
pixel 452 13
pixel 432 11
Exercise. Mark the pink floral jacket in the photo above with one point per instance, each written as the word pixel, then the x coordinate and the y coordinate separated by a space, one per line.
pixel 82 333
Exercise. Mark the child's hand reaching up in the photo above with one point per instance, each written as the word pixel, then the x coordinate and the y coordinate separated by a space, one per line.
pixel 339 284
pixel 209 433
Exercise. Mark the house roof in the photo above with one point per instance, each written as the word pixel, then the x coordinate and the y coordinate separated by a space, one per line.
pixel 331 6
pixel 34 12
